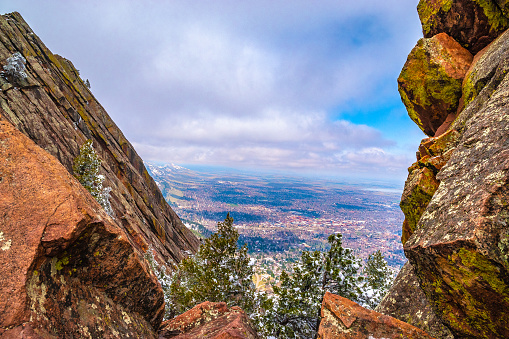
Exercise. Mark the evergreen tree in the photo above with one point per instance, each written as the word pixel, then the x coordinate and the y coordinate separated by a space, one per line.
pixel 220 271
pixel 378 279
pixel 86 168
pixel 295 311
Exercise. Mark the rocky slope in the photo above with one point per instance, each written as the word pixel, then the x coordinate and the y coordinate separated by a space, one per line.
pixel 55 109
pixel 456 233
pixel 68 270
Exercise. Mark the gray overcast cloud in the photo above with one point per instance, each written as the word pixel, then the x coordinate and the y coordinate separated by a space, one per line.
pixel 289 85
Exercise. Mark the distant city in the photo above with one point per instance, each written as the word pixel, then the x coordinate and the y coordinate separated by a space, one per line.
pixel 278 217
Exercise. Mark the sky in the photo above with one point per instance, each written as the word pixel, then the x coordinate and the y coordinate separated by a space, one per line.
pixel 293 86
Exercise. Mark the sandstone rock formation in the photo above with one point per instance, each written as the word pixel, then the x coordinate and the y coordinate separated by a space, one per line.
pixel 209 321
pixel 55 109
pixel 458 244
pixel 430 82
pixel 459 249
pixel 67 270
pixel 342 318
pixel 473 23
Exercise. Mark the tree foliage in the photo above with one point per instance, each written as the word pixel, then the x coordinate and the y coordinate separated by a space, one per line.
pixel 378 279
pixel 86 168
pixel 295 311
pixel 220 271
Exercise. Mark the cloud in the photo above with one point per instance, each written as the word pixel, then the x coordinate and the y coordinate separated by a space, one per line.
pixel 258 84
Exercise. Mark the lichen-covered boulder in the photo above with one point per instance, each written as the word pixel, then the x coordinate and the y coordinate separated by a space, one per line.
pixel 430 83
pixel 209 320
pixel 66 269
pixel 344 319
pixel 422 183
pixel 460 247
pixel 473 23
pixel 406 301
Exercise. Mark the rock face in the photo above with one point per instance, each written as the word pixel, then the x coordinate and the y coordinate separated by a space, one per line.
pixel 460 246
pixel 473 23
pixel 407 302
pixel 487 66
pixel 67 269
pixel 342 318
pixel 430 82
pixel 456 235
pixel 55 109
pixel 209 321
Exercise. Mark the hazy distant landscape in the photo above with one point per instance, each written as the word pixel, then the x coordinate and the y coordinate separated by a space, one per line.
pixel 279 216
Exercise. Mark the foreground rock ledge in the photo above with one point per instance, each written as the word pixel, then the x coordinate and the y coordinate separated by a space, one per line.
pixel 67 271
pixel 342 318
pixel 209 321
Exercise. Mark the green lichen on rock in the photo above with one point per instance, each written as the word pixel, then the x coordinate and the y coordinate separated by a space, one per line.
pixel 504 7
pixel 428 11
pixel 444 143
pixel 430 83
pixel 422 183
pixel 477 283
pixel 419 189
pixel 473 23
pixel 496 19
pixel 62 262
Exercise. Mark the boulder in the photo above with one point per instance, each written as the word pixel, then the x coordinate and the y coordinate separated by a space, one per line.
pixel 459 249
pixel 209 320
pixel 343 318
pixel 430 83
pixel 406 301
pixel 55 109
pixel 473 23
pixel 67 269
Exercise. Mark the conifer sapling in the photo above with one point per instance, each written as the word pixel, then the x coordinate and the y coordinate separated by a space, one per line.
pixel 86 168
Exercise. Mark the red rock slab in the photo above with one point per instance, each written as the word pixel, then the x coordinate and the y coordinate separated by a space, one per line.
pixel 66 269
pixel 343 318
pixel 209 320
